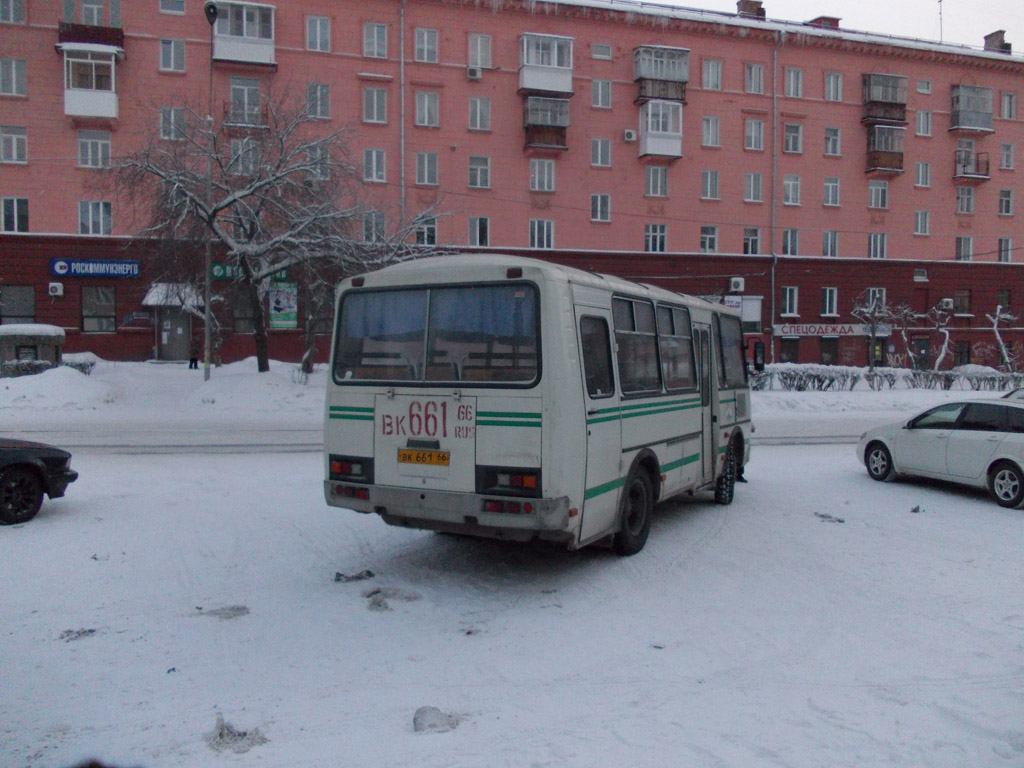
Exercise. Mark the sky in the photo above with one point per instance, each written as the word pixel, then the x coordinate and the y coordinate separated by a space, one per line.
pixel 963 21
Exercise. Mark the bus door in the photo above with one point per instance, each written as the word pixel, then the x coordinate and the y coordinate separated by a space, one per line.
pixel 603 473
pixel 705 358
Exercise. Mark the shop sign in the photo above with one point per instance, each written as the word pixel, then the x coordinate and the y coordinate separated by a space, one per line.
pixel 830 329
pixel 138 318
pixel 221 270
pixel 88 268
pixel 284 305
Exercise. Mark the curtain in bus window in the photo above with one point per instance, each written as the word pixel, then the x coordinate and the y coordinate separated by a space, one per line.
pixel 733 368
pixel 483 333
pixel 381 335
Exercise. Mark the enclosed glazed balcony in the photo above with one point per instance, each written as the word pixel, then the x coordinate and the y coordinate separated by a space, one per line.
pixel 885 99
pixel 90 82
pixel 885 150
pixel 545 64
pixel 546 122
pixel 971 110
pixel 971 166
pixel 244 33
pixel 661 129
pixel 661 73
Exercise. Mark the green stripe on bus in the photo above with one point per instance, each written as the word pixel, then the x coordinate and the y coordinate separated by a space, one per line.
pixel 680 462
pixel 351 408
pixel 506 415
pixel 350 413
pixel 602 419
pixel 598 490
pixel 488 423
pixel 655 410
pixel 352 416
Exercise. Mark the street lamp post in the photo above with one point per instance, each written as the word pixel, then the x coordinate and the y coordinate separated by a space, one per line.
pixel 210 9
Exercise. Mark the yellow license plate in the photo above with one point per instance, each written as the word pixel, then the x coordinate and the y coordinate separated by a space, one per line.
pixel 424 458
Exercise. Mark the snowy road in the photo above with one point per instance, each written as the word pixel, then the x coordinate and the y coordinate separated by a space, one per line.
pixel 822 619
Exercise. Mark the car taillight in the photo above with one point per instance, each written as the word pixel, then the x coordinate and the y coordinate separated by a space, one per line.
pixel 508 507
pixel 356 469
pixel 508 481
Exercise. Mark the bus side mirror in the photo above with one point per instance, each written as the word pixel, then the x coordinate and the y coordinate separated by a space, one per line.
pixel 758 356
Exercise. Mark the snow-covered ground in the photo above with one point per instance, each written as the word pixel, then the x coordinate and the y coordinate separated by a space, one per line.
pixel 820 620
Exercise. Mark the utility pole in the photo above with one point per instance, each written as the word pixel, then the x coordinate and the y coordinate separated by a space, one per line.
pixel 210 9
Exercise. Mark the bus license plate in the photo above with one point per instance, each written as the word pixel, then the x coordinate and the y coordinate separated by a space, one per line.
pixel 423 458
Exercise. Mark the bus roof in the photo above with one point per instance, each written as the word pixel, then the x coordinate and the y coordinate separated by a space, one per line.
pixel 453 268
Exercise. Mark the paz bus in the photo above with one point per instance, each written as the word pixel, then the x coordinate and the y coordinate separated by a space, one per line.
pixel 512 398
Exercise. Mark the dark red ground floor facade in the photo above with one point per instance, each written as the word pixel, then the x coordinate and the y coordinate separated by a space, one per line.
pixel 100 292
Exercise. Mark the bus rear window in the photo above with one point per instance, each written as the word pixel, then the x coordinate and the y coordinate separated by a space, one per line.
pixel 473 333
pixel 734 373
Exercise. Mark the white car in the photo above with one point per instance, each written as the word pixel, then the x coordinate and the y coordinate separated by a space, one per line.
pixel 972 442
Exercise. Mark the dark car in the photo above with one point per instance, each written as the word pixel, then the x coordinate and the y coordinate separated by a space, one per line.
pixel 27 471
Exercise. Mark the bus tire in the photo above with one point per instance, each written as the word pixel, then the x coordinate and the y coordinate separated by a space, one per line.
pixel 637 510
pixel 725 486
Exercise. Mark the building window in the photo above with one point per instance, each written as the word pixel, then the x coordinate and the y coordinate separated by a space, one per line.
pixel 924 86
pixel 923 175
pixel 1006 157
pixel 374 165
pixel 479 113
pixel 427 114
pixel 93 149
pixel 752 188
pixel 601 51
pixel 14 214
pixel 654 238
pixel 98 315
pixel 789 349
pixel 318 157
pixel 710 134
pixel 790 242
pixel 753 135
pixel 172 55
pixel 878 193
pixel 708 239
pixel 600 207
pixel 962 353
pixel 656 181
pixel 88 71
pixel 374 227
pixel 426 232
pixel 245 20
pixel 601 153
pixel 1008 108
pixel 1005 252
pixel 922 222
pixel 875 297
pixel 711 74
pixel 172 128
pixel 753 78
pixel 13 144
pixel 542 233
pixel 93 217
pixel 318 33
pixel 375 105
pixel 830 243
pixel 829 301
pixel 479 227
pixel 1003 298
pixel 791 189
pixel 962 301
pixel 92 12
pixel 964 248
pixel 479 171
pixel 793 138
pixel 790 305
pixel 831 191
pixel 18 304
pixel 965 199
pixel 924 123
pixel 172 6
pixel 877 242
pixel 426 45
pixel 426 168
pixel 832 143
pixel 542 175
pixel 1006 202
pixel 662 117
pixel 479 50
pixel 751 240
pixel 245 101
pixel 243 318
pixel 375 40
pixel 601 94
pixel 12 11
pixel 12 77
pixel 709 185
pixel 833 86
pixel 244 157
pixel 318 100
pixel 794 83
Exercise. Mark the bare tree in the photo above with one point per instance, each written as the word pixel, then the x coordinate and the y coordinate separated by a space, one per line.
pixel 273 192
pixel 871 308
pixel 1008 361
pixel 939 319
pixel 906 317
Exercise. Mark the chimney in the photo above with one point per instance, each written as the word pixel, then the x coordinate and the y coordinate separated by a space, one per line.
pixel 824 22
pixel 750 8
pixel 996 41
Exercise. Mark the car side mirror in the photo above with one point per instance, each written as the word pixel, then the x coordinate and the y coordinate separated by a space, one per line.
pixel 758 356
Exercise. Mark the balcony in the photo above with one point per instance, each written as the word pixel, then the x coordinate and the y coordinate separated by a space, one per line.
pixel 661 129
pixel 881 163
pixel 90 82
pixel 545 65
pixel 661 73
pixel 885 150
pixel 971 110
pixel 971 166
pixel 245 33
pixel 87 33
pixel 885 99
pixel 546 122
pixel 237 115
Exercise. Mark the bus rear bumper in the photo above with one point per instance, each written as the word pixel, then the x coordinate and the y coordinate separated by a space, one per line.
pixel 451 512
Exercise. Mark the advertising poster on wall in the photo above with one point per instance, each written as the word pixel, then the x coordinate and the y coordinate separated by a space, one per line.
pixel 284 305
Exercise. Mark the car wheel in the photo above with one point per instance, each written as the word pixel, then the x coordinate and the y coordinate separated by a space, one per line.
pixel 21 495
pixel 878 461
pixel 725 487
pixel 637 510
pixel 1006 482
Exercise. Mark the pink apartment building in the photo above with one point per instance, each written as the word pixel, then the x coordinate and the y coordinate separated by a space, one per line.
pixel 785 167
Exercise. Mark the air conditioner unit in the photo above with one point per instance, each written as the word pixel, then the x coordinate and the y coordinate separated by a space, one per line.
pixel 474 73
pixel 737 284
pixel 56 289
pixel 629 136
pixel 946 304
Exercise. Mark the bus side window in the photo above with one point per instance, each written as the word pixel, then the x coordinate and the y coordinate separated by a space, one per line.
pixel 597 357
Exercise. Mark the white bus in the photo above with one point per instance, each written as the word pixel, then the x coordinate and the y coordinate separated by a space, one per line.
pixel 512 398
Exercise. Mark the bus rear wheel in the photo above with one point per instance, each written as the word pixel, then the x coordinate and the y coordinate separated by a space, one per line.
pixel 637 510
